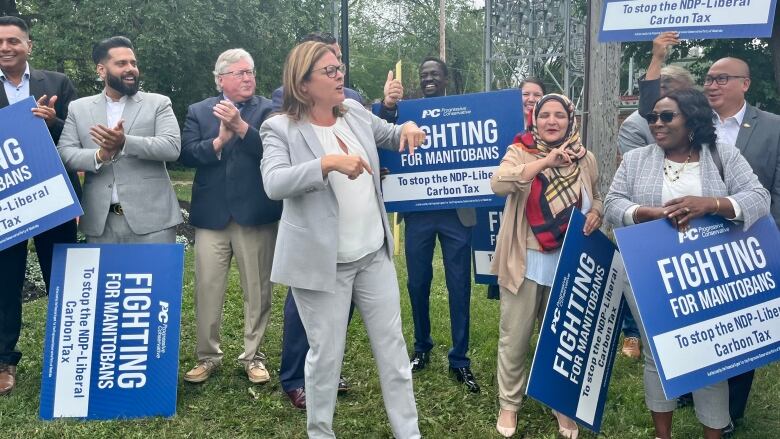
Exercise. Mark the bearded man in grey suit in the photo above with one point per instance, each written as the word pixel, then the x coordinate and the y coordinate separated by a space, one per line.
pixel 121 138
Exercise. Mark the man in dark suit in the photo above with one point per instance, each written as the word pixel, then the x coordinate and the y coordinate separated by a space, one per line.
pixel 453 229
pixel 294 342
pixel 231 212
pixel 54 91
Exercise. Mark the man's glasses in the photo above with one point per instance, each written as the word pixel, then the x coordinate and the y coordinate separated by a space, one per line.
pixel 721 79
pixel 239 74
pixel 331 70
pixel 665 116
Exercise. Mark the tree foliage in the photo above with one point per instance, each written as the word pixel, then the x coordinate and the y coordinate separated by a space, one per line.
pixel 178 41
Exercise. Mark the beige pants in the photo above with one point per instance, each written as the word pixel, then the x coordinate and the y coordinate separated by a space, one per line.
pixel 253 247
pixel 519 313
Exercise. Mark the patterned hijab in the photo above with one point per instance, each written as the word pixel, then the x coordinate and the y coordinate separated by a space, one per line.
pixel 554 191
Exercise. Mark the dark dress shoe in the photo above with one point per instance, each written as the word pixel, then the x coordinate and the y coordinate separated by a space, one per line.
pixel 297 398
pixel 464 375
pixel 7 378
pixel 343 385
pixel 419 360
pixel 728 431
pixel 684 400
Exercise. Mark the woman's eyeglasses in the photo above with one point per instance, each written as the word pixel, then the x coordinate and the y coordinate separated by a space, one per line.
pixel 665 116
pixel 331 70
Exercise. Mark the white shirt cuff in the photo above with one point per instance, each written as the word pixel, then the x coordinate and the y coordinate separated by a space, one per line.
pixel 628 217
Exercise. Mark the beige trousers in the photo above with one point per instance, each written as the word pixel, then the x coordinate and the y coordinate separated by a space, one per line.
pixel 253 247
pixel 519 313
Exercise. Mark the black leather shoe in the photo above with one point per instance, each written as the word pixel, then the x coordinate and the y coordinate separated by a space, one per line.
pixel 728 431
pixel 464 375
pixel 343 385
pixel 419 360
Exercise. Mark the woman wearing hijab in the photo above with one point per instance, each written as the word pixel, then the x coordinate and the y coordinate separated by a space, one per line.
pixel 543 183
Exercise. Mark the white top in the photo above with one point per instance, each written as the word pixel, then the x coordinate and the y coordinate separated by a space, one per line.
pixel 360 222
pixel 728 128
pixel 114 110
pixel 689 183
pixel 540 267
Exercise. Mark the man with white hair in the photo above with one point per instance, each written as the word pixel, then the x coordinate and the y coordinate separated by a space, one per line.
pixel 231 213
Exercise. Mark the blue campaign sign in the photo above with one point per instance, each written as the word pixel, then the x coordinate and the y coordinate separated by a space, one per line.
pixel 578 337
pixel 483 243
pixel 112 332
pixel 707 297
pixel 642 20
pixel 35 192
pixel 466 137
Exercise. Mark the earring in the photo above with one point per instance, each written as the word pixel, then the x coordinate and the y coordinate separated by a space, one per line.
pixel 690 137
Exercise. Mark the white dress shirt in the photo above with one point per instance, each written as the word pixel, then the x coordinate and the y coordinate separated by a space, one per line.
pixel 728 128
pixel 16 93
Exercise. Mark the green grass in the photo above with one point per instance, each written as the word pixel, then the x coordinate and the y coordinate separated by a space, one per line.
pixel 228 406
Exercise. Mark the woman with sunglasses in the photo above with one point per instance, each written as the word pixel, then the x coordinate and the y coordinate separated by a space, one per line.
pixel 678 179
pixel 543 183
pixel 334 244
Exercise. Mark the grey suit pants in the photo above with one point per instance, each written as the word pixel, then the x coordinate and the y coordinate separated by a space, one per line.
pixel 117 231
pixel 371 283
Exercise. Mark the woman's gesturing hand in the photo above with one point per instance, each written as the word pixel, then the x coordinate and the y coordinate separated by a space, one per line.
pixel 557 158
pixel 350 165
pixel 411 137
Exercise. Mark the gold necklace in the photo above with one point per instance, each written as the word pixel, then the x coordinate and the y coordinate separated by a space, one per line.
pixel 674 174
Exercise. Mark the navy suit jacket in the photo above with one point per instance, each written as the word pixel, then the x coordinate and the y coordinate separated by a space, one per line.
pixel 44 82
pixel 229 186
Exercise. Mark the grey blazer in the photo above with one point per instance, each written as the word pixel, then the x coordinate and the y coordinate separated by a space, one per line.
pixel 639 180
pixel 759 141
pixel 634 133
pixel 143 185
pixel 306 245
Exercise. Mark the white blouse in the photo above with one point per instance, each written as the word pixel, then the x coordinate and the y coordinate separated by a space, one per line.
pixel 688 184
pixel 360 222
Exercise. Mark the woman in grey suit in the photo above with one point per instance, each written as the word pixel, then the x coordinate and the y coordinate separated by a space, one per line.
pixel 677 178
pixel 334 244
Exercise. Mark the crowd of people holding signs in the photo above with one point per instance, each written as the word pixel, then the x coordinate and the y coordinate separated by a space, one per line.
pixel 295 188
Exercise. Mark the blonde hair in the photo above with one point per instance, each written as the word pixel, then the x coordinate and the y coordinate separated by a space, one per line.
pixel 297 70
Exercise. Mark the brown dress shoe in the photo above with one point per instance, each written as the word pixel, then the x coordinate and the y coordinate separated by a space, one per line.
pixel 631 347
pixel 7 378
pixel 297 398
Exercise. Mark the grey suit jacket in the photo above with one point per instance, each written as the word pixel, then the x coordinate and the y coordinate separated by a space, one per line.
pixel 634 133
pixel 759 141
pixel 143 185
pixel 306 245
pixel 639 180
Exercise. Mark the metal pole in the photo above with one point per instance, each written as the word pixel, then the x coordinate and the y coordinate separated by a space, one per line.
pixel 488 45
pixel 442 28
pixel 345 39
pixel 567 49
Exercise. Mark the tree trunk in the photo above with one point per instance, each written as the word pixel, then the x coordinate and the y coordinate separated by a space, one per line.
pixel 601 106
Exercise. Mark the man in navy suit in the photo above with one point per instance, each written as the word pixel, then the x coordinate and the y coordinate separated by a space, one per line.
pixel 294 342
pixel 53 91
pixel 231 213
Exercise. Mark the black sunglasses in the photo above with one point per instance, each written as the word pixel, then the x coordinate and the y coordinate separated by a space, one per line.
pixel 665 116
